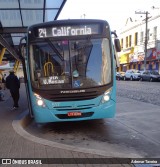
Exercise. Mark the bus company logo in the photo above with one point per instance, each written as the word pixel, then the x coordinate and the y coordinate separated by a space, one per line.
pixel 6 161
pixel 72 91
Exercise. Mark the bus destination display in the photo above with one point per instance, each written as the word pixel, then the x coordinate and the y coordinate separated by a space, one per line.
pixel 69 30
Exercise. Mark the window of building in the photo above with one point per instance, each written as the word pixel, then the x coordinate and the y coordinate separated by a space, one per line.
pixel 130 40
pixel 127 42
pixel 122 43
pixel 136 38
pixel 142 37
pixel 155 33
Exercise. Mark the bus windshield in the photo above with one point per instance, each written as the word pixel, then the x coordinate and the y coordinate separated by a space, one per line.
pixel 70 64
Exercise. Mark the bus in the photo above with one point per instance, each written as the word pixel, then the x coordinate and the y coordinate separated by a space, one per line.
pixel 70 70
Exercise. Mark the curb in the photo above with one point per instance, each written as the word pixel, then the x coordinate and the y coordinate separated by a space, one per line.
pixel 24 120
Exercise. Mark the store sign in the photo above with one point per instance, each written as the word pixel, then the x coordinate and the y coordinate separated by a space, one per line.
pixel 128 50
pixel 123 59
pixel 152 54
pixel 135 57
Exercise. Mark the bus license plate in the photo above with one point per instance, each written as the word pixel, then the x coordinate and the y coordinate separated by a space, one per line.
pixel 74 114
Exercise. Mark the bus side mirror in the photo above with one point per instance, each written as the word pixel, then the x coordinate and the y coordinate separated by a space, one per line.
pixel 117 45
pixel 117 60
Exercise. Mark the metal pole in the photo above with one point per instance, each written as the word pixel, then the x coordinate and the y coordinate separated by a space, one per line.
pixel 146 36
pixel 146 41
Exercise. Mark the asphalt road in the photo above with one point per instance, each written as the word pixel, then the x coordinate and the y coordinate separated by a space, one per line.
pixel 142 91
pixel 134 132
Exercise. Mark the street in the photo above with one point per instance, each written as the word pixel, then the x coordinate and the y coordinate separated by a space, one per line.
pixel 142 91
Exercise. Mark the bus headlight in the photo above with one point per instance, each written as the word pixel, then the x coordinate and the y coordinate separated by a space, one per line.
pixel 39 100
pixel 106 96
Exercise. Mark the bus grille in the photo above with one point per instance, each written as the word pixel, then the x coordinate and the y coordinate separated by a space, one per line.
pixel 71 98
pixel 78 107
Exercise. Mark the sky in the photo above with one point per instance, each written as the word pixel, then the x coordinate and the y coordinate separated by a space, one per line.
pixel 115 12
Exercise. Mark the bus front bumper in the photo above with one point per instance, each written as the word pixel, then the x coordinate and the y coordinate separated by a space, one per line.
pixel 44 115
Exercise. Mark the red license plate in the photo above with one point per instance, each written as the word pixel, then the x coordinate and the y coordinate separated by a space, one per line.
pixel 74 114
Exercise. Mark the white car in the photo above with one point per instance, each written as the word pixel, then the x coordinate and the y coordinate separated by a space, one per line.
pixel 132 74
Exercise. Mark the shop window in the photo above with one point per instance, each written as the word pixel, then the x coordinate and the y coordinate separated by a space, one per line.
pixel 142 67
pixel 153 66
pixel 134 66
pixel 147 67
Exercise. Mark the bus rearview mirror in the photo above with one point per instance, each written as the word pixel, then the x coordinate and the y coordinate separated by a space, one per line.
pixel 117 45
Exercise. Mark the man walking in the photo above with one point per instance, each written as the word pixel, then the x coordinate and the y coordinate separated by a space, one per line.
pixel 4 81
pixel 13 84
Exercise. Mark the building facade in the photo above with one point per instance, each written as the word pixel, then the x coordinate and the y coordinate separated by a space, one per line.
pixel 132 40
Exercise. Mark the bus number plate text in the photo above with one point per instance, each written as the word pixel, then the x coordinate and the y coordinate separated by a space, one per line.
pixel 74 114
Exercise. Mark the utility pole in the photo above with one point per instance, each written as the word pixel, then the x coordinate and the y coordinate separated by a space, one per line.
pixel 146 36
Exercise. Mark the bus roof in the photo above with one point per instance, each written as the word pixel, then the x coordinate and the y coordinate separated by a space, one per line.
pixel 68 21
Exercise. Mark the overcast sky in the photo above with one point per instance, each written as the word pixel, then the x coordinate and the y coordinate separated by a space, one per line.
pixel 114 11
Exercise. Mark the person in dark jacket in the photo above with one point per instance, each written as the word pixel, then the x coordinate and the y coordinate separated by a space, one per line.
pixel 4 81
pixel 13 84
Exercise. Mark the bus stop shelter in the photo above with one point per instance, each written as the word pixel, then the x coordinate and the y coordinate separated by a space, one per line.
pixel 17 15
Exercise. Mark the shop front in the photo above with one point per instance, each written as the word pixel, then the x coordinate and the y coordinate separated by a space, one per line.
pixel 153 59
pixel 136 60
pixel 124 59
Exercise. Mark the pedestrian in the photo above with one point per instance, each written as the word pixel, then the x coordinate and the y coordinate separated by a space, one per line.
pixel 4 81
pixel 13 84
pixel 1 94
pixel 0 79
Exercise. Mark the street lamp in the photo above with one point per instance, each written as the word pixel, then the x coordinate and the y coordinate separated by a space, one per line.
pixel 146 36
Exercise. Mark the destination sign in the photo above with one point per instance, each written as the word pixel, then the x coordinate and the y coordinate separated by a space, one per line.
pixel 53 80
pixel 69 30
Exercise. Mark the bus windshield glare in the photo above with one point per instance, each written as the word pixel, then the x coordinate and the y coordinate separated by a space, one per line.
pixel 70 64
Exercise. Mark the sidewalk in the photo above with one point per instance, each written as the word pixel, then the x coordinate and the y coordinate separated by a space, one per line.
pixel 13 145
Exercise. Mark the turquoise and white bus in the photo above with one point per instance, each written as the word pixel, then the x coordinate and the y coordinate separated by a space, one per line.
pixel 70 70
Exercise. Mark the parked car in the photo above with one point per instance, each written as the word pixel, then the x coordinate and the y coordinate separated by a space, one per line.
pixel 150 76
pixel 132 74
pixel 120 75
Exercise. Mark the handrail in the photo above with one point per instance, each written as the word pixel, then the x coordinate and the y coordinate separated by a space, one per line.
pixel 46 68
